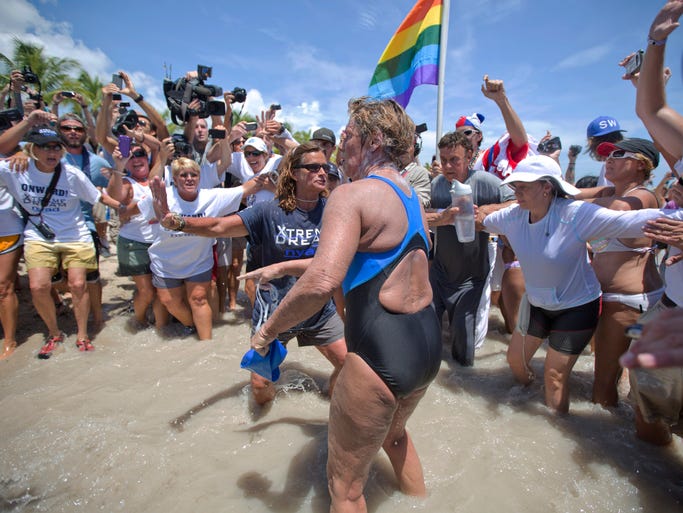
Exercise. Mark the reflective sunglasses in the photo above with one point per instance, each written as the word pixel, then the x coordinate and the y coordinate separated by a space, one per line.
pixel 138 153
pixel 621 154
pixel 253 153
pixel 50 147
pixel 314 168
pixel 67 128
pixel 142 122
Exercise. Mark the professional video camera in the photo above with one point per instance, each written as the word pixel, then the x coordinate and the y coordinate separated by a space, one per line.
pixel 180 93
pixel 127 118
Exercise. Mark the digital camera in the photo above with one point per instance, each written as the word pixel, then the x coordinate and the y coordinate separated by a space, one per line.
pixel 128 119
pixel 181 148
pixel 549 146
pixel 44 230
pixel 29 76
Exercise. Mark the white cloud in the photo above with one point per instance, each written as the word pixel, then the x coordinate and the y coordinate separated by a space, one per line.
pixel 23 21
pixel 584 58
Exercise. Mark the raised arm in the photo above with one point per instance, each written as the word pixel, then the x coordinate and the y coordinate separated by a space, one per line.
pixel 151 112
pixel 495 90
pixel 664 123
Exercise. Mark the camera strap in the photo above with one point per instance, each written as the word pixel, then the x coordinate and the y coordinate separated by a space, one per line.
pixel 46 199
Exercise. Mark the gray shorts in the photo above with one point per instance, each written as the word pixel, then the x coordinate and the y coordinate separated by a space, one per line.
pixel 172 283
pixel 331 331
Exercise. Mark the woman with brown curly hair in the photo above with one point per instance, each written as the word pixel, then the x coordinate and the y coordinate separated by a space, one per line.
pixel 284 231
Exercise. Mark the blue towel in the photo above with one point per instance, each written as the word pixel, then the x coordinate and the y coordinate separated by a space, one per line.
pixel 267 366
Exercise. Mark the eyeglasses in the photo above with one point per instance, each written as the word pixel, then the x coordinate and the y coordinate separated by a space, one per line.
pixel 50 147
pixel 138 153
pixel 253 153
pixel 188 175
pixel 621 154
pixel 67 128
pixel 314 168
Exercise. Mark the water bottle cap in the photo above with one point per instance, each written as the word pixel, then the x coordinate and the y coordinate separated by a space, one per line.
pixel 460 188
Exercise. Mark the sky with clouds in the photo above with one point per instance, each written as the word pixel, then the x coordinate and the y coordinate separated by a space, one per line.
pixel 558 59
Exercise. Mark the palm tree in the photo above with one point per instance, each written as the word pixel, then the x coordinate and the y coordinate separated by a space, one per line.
pixel 53 72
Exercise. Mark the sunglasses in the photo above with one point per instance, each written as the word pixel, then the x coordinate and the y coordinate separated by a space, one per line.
pixel 468 132
pixel 50 147
pixel 314 168
pixel 188 175
pixel 621 154
pixel 253 153
pixel 142 122
pixel 77 129
pixel 138 153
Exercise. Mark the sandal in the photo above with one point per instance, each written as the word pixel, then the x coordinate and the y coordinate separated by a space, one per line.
pixel 85 345
pixel 49 346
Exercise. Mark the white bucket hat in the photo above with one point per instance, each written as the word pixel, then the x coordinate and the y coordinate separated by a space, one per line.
pixel 538 167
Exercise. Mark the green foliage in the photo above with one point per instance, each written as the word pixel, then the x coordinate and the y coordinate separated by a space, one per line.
pixel 54 72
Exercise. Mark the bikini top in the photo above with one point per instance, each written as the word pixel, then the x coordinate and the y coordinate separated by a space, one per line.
pixel 615 245
pixel 367 265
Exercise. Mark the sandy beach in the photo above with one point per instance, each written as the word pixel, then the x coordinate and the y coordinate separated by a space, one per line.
pixel 166 424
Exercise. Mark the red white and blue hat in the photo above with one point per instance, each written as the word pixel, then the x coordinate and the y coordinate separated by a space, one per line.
pixel 474 120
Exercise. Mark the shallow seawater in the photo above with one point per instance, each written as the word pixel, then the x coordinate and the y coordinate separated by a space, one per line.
pixel 154 424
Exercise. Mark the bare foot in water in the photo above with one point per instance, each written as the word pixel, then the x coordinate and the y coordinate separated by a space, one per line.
pixel 8 349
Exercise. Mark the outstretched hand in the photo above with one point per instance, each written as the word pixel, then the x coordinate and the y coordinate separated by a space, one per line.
pixel 160 203
pixel 666 230
pixel 666 20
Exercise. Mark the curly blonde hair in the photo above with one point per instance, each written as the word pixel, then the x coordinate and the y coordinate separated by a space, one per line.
pixel 286 184
pixel 388 118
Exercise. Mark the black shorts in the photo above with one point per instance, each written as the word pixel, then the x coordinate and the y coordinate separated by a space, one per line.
pixel 568 331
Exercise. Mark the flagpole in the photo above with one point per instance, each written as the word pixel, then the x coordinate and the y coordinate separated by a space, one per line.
pixel 443 45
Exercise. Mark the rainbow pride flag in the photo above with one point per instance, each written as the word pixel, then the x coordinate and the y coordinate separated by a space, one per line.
pixel 412 56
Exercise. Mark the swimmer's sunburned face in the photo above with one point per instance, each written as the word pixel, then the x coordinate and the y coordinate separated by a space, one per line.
pixel 351 147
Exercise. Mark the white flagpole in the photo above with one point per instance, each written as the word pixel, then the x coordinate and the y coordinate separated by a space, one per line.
pixel 443 44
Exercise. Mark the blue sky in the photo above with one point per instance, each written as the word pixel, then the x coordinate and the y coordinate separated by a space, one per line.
pixel 558 59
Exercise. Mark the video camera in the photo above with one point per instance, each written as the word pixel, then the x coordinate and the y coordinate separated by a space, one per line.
pixel 181 148
pixel 8 116
pixel 180 93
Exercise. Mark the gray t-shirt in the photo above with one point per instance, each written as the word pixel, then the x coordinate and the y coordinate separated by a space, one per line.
pixel 456 262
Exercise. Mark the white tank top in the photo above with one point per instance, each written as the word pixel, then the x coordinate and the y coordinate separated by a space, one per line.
pixel 138 228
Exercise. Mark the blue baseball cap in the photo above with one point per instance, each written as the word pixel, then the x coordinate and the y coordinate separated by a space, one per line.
pixel 603 125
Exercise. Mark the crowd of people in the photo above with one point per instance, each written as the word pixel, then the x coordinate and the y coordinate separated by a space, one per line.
pixel 352 248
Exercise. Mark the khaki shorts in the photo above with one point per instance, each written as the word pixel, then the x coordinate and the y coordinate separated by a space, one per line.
pixel 658 392
pixel 38 254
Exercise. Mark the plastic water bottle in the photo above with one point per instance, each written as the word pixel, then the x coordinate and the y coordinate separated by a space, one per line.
pixel 461 197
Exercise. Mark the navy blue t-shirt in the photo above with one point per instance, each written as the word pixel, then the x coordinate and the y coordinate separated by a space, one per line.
pixel 279 236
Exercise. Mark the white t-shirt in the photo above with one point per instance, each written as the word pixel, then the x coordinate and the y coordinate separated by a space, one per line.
pixel 139 228
pixel 10 222
pixel 242 170
pixel 181 255
pixel 63 213
pixel 552 252
pixel 208 176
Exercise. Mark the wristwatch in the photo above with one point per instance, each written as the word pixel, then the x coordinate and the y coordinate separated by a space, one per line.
pixel 138 98
pixel 179 220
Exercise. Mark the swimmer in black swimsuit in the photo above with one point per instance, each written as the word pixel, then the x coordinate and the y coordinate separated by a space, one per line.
pixel 379 242
pixel 403 349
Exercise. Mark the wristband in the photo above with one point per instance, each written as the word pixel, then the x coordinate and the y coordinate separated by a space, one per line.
pixel 656 42
pixel 139 98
